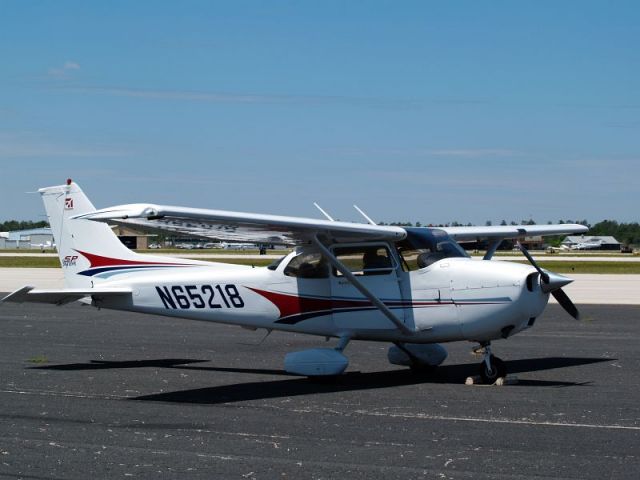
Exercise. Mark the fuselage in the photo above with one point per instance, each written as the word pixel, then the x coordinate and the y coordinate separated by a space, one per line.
pixel 414 287
pixel 452 299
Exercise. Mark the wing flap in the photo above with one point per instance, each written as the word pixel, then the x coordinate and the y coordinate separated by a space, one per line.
pixel 62 296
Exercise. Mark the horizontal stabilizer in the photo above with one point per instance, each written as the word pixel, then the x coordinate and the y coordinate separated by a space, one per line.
pixel 63 295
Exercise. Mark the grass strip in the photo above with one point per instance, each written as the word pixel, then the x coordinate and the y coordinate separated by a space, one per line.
pixel 29 262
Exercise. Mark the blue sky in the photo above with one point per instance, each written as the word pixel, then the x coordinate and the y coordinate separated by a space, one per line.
pixel 422 111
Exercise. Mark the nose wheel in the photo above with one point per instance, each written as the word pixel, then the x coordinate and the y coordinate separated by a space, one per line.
pixel 491 367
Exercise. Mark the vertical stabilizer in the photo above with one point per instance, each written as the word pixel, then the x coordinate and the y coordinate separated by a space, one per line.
pixel 79 242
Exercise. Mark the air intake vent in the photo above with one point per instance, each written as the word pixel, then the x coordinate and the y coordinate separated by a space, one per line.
pixel 507 330
pixel 532 279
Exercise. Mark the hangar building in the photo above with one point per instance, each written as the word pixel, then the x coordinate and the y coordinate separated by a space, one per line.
pixel 592 242
pixel 40 238
pixel 35 238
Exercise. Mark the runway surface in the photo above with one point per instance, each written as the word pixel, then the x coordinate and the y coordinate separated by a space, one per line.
pixel 97 394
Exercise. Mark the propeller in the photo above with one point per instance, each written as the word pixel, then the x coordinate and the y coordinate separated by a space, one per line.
pixel 552 283
pixel 566 303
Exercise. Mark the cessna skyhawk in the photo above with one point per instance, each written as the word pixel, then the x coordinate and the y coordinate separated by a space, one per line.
pixel 413 288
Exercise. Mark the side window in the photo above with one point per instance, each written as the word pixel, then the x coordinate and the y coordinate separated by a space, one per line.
pixel 410 259
pixel 365 260
pixel 417 259
pixel 307 265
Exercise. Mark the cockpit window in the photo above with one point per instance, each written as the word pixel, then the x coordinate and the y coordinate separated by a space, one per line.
pixel 425 246
pixel 307 265
pixel 365 259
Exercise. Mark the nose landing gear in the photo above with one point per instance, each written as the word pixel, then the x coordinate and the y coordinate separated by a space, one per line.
pixel 491 367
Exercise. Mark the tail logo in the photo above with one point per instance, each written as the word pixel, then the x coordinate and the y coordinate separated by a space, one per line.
pixel 69 261
pixel 68 203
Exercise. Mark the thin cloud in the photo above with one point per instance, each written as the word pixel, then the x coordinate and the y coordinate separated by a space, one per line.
pixel 64 71
pixel 509 182
pixel 612 106
pixel 31 146
pixel 427 152
pixel 254 98
pixel 184 95
pixel 475 152
pixel 622 125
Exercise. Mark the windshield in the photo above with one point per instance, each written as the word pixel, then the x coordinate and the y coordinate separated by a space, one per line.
pixel 424 246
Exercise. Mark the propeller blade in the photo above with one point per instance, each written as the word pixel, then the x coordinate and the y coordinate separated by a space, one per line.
pixel 525 252
pixel 566 303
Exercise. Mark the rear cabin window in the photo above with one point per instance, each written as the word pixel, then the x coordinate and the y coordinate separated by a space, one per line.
pixel 307 265
pixel 364 260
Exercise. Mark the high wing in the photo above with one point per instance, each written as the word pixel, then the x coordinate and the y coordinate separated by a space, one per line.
pixel 63 295
pixel 512 231
pixel 241 227
pixel 497 234
pixel 284 230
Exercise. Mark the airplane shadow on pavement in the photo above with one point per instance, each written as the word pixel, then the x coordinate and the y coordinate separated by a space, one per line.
pixel 296 386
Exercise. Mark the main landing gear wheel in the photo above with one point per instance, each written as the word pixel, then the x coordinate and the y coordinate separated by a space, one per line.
pixel 494 370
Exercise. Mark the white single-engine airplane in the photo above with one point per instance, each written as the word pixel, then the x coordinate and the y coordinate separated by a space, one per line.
pixel 412 287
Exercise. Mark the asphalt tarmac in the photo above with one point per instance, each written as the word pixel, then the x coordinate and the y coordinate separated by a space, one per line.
pixel 98 394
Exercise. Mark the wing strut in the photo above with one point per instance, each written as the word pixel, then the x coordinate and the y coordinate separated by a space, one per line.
pixel 356 283
pixel 493 246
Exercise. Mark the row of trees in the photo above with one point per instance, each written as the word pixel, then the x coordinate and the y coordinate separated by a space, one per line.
pixel 488 223
pixel 627 233
pixel 11 225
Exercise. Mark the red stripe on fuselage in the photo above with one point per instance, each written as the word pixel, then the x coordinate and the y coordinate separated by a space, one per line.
pixel 295 305
pixel 100 261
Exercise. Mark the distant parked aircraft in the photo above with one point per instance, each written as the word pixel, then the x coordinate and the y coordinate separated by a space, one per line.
pixel 586 246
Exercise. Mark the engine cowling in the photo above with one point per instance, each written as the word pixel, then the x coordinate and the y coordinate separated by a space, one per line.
pixel 316 362
pixel 432 354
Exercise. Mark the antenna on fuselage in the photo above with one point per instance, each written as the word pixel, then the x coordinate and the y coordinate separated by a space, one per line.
pixel 365 215
pixel 323 212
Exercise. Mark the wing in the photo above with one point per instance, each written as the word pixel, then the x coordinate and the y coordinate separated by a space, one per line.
pixel 513 231
pixel 64 295
pixel 241 227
